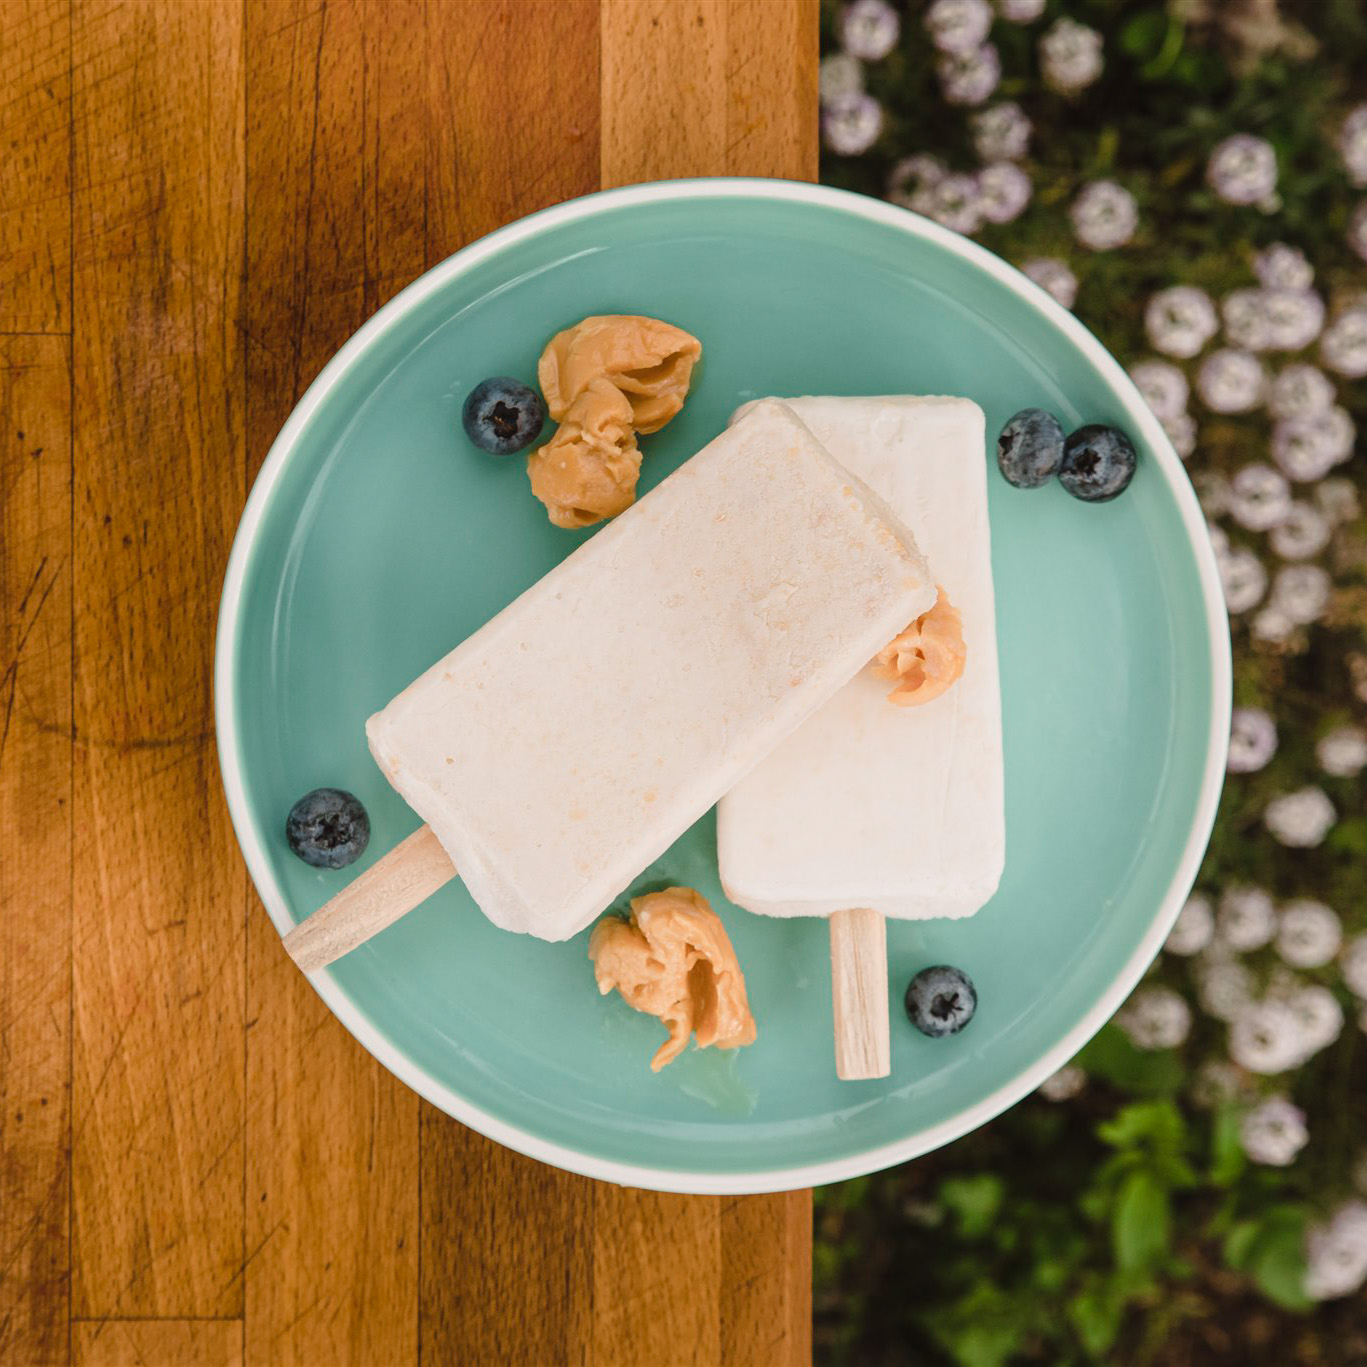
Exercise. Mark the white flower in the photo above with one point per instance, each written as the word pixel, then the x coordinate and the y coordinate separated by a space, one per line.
pixel 958 25
pixel 1259 498
pixel 869 29
pixel 1216 1082
pixel 1273 626
pixel 1302 819
pixel 1104 215
pixel 1357 230
pixel 1247 918
pixel 1265 1038
pixel 1344 344
pixel 1181 432
pixel 1337 499
pixel 1064 1084
pixel 912 174
pixel 1180 321
pixel 1319 1017
pixel 1194 927
pixel 1163 386
pixel 1212 492
pixel 1343 752
pixel 1001 132
pixel 1054 277
pixel 1280 267
pixel 1354 966
pixel 953 201
pixel 1243 577
pixel 1307 448
pixel 851 124
pixel 1352 145
pixel 1252 740
pixel 1273 1132
pixel 1309 934
pixel 839 75
pixel 969 78
pixel 1223 989
pixel 1299 391
pixel 1020 11
pixel 1155 1018
pixel 1292 318
pixel 1003 192
pixel 1336 1253
pixel 1303 532
pixel 1242 169
pixel 1301 592
pixel 1245 318
pixel 1070 56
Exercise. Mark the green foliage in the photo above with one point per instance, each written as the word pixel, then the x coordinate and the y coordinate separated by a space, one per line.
pixel 1113 1228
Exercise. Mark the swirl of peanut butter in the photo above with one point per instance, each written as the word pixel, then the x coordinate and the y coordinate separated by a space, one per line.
pixel 650 361
pixel 927 657
pixel 674 960
pixel 589 468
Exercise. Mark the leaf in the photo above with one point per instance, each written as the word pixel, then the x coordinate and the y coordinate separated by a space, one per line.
pixel 1142 36
pixel 975 1200
pixel 1155 1124
pixel 1096 1314
pixel 1141 1223
pixel 1227 1157
pixel 1270 1250
pixel 1112 1058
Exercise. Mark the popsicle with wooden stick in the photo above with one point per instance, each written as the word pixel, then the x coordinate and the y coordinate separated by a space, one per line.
pixel 871 808
pixel 564 746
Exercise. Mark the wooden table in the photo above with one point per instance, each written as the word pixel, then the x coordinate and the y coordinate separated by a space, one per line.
pixel 199 201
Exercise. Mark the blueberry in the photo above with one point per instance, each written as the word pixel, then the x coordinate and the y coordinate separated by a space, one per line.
pixel 328 828
pixel 502 416
pixel 1030 448
pixel 1098 463
pixel 941 1001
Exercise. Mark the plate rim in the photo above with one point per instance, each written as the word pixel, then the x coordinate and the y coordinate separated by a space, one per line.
pixel 736 1181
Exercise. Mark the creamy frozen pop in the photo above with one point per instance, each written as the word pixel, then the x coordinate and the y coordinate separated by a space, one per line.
pixel 566 744
pixel 870 805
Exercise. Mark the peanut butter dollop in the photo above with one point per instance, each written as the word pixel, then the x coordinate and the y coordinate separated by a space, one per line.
pixel 651 362
pixel 927 657
pixel 673 960
pixel 589 468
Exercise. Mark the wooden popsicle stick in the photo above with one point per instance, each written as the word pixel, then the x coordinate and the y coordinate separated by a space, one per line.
pixel 859 993
pixel 408 875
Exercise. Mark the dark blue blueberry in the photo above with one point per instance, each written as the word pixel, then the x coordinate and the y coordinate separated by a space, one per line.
pixel 328 828
pixel 1030 448
pixel 941 1001
pixel 503 416
pixel 1098 463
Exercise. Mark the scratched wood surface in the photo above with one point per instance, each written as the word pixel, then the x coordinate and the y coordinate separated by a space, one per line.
pixel 199 201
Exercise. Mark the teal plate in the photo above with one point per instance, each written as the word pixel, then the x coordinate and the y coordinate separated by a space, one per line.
pixel 376 538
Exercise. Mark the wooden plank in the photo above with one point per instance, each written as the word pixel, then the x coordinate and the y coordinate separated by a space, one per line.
pixel 160 894
pixel 708 87
pixel 550 1268
pixel 336 139
pixel 35 846
pixel 156 1343
pixel 35 185
pixel 507 1244
pixel 513 105
pixel 507 1253
pixel 766 1278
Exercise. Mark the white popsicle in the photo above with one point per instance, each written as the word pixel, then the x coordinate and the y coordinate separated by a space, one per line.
pixel 870 805
pixel 564 746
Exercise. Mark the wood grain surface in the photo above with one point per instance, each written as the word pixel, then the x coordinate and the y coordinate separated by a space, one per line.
pixel 200 201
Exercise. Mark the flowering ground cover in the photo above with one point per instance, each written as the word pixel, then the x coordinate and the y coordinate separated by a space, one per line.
pixel 1191 180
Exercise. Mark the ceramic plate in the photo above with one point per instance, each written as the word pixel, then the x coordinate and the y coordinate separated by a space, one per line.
pixel 376 538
